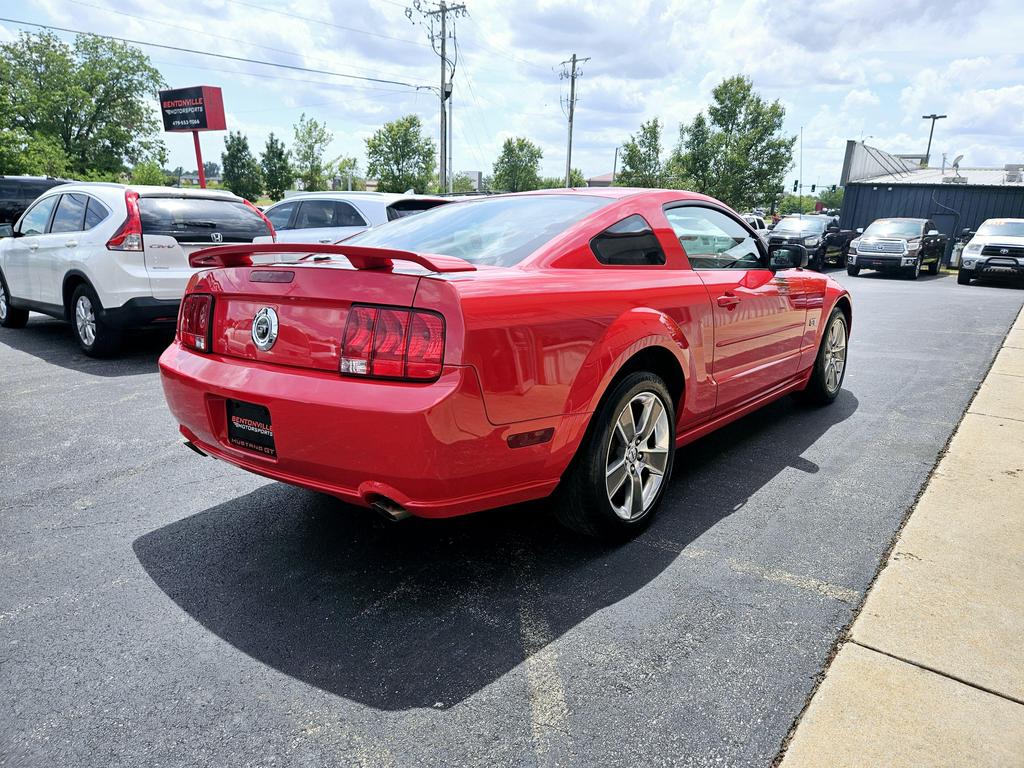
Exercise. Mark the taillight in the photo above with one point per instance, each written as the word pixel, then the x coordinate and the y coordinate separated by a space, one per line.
pixel 389 343
pixel 195 320
pixel 129 235
pixel 262 215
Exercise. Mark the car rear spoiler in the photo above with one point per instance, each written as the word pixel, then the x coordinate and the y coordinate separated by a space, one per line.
pixel 361 257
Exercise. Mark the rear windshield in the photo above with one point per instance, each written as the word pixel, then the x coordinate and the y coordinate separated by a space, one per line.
pixel 501 231
pixel 401 208
pixel 894 228
pixel 1003 227
pixel 200 220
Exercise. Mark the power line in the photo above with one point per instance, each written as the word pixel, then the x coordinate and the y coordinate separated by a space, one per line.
pixel 195 31
pixel 215 55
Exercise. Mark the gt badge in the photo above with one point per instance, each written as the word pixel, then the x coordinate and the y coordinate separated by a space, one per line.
pixel 264 328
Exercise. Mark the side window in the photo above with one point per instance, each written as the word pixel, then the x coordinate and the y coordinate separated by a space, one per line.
pixel 95 213
pixel 347 216
pixel 713 240
pixel 280 215
pixel 630 242
pixel 70 215
pixel 35 219
pixel 315 213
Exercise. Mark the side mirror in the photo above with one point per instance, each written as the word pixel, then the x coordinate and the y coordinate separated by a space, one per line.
pixel 967 232
pixel 6 230
pixel 860 230
pixel 787 256
pixel 932 232
pixel 771 226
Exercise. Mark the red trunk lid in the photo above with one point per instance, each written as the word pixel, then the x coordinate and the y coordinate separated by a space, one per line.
pixel 311 303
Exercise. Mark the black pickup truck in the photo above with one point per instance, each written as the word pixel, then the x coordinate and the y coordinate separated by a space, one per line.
pixel 820 235
pixel 901 246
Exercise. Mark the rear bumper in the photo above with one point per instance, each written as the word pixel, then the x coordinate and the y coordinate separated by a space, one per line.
pixel 427 447
pixel 144 312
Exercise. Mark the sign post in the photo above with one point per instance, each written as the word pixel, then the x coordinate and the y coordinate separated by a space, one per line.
pixel 200 108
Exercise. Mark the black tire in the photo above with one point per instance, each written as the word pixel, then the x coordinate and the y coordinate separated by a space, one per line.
pixel 935 266
pixel 582 501
pixel 104 340
pixel 852 271
pixel 963 276
pixel 818 391
pixel 841 261
pixel 10 317
pixel 914 272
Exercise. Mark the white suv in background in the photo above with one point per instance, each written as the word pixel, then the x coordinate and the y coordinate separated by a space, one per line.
pixel 111 257
pixel 996 250
pixel 327 217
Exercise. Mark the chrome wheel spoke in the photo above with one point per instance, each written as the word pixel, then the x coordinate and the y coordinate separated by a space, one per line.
pixel 615 476
pixel 636 495
pixel 625 423
pixel 638 455
pixel 653 412
pixel 656 460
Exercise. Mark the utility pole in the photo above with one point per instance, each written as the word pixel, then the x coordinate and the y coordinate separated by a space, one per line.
pixel 928 152
pixel 801 172
pixel 438 13
pixel 571 76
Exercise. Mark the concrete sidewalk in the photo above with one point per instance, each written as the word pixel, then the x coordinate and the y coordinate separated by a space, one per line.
pixel 932 671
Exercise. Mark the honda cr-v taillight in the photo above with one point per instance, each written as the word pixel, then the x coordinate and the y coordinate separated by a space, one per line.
pixel 391 343
pixel 129 235
pixel 195 321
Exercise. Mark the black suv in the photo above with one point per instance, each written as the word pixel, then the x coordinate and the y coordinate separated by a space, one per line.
pixel 17 192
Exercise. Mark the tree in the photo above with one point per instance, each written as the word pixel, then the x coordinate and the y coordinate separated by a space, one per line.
pixel 277 171
pixel 311 140
pixel 641 158
pixel 791 203
pixel 400 156
pixel 736 153
pixel 832 199
pixel 211 168
pixel 463 182
pixel 518 166
pixel 92 100
pixel 241 173
pixel 150 173
pixel 348 168
pixel 576 179
pixel 21 152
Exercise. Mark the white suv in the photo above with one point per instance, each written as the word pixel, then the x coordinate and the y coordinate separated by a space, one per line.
pixel 327 217
pixel 996 250
pixel 110 257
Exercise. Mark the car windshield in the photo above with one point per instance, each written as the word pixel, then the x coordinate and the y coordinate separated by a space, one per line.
pixel 1003 227
pixel 893 228
pixel 806 225
pixel 501 231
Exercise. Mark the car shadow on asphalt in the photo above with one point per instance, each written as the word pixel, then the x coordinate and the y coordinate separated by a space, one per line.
pixel 54 342
pixel 426 613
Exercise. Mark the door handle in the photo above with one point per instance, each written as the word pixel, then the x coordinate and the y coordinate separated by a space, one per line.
pixel 728 300
pixel 71 244
pixel 33 246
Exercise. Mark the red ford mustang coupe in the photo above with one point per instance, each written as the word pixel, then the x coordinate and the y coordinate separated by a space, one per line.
pixel 494 350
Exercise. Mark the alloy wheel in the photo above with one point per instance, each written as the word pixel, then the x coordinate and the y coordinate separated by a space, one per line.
pixel 835 354
pixel 3 304
pixel 85 320
pixel 637 455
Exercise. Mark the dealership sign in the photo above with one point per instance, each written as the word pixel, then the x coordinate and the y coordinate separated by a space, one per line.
pixel 200 108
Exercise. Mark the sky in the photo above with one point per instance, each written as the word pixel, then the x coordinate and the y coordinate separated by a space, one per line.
pixel 842 70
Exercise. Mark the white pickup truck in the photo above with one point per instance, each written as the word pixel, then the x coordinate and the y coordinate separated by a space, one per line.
pixel 996 251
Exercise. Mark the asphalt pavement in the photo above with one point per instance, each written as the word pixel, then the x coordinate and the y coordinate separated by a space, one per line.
pixel 159 608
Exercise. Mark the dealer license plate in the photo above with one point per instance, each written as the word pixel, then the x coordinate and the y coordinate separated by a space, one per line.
pixel 249 427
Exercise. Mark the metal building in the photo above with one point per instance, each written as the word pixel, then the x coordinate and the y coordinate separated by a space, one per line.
pixel 880 185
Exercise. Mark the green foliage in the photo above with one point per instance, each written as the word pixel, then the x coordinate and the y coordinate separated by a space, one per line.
pixel 736 153
pixel 517 168
pixel 791 203
pixel 832 199
pixel 576 179
pixel 148 172
pixel 23 153
pixel 276 166
pixel 211 168
pixel 400 156
pixel 463 182
pixel 349 167
pixel 641 158
pixel 241 174
pixel 311 141
pixel 91 100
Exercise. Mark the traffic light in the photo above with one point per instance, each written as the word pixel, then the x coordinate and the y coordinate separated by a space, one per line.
pixel 812 187
pixel 795 183
pixel 833 187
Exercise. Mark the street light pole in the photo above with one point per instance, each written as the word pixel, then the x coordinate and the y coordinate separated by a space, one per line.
pixel 928 152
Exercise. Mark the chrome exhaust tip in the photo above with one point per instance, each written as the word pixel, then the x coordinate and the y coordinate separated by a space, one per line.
pixel 192 446
pixel 389 509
